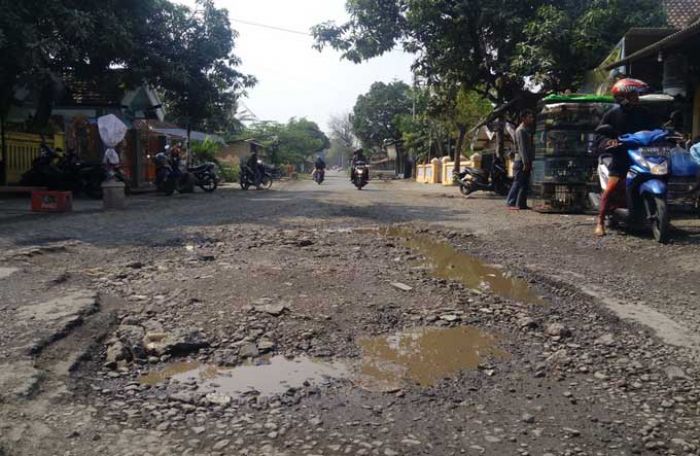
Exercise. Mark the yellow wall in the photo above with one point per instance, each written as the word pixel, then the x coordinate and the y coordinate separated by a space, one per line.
pixel 22 149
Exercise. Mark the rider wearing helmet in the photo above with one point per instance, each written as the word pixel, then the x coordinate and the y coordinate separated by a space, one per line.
pixel 252 165
pixel 357 156
pixel 319 164
pixel 625 118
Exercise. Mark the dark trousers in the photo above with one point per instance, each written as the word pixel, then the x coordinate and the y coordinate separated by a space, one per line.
pixel 521 186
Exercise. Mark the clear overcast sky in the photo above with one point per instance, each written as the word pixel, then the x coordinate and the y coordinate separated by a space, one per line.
pixel 295 80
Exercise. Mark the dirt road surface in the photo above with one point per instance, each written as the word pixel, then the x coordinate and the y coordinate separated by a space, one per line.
pixel 320 320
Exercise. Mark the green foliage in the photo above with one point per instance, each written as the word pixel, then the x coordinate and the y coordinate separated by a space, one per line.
pixel 568 37
pixel 184 54
pixel 292 143
pixel 444 114
pixel 377 114
pixel 231 173
pixel 491 46
pixel 205 151
pixel 195 66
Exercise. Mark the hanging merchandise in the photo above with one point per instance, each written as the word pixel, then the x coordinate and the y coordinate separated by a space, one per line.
pixel 112 131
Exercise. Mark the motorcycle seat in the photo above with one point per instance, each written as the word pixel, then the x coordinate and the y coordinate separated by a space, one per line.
pixel 197 168
pixel 478 172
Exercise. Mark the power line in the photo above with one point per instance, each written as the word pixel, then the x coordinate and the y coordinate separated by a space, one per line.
pixel 271 27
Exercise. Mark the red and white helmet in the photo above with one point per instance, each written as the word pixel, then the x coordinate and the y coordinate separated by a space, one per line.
pixel 627 86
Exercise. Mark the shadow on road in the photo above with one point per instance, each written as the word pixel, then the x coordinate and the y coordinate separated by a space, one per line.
pixel 152 219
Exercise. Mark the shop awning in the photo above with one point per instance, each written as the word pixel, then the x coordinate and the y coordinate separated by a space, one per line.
pixel 670 41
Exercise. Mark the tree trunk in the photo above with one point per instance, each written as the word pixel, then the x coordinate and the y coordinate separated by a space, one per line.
pixel 500 138
pixel 458 149
pixel 44 108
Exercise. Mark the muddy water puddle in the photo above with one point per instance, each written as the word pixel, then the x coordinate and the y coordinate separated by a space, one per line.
pixel 269 376
pixel 420 356
pixel 446 262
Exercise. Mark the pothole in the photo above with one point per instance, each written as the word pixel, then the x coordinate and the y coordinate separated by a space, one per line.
pixel 420 356
pixel 446 262
pixel 267 376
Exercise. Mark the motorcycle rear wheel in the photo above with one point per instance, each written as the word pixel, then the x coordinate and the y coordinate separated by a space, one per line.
pixel 266 182
pixel 209 185
pixel 466 189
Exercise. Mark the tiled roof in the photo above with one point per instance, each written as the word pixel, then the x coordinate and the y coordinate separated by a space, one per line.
pixel 681 12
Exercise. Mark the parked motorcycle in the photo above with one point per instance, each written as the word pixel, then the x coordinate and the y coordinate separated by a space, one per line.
pixel 205 176
pixel 274 172
pixel 319 176
pixel 646 188
pixel 361 175
pixel 496 180
pixel 66 172
pixel 169 176
pixel 248 177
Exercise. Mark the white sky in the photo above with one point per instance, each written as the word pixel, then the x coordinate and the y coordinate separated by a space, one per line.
pixel 295 80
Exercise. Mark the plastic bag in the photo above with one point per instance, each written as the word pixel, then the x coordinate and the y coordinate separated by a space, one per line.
pixel 112 130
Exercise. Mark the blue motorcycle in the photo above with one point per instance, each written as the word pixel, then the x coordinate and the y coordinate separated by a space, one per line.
pixel 646 183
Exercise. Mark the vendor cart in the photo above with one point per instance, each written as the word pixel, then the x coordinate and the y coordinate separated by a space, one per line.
pixel 564 168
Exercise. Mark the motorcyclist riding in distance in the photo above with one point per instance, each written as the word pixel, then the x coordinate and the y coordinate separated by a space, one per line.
pixel 252 164
pixel 319 165
pixel 357 156
pixel 625 118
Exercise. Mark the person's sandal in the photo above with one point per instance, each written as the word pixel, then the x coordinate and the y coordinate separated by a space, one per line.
pixel 600 230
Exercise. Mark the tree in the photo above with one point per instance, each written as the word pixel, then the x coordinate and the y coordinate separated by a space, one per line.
pixel 293 142
pixel 494 47
pixel 196 68
pixel 376 114
pixel 300 139
pixel 490 46
pixel 342 139
pixel 461 110
pixel 185 54
pixel 570 36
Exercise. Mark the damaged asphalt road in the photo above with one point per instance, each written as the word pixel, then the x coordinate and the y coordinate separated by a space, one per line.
pixel 315 320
